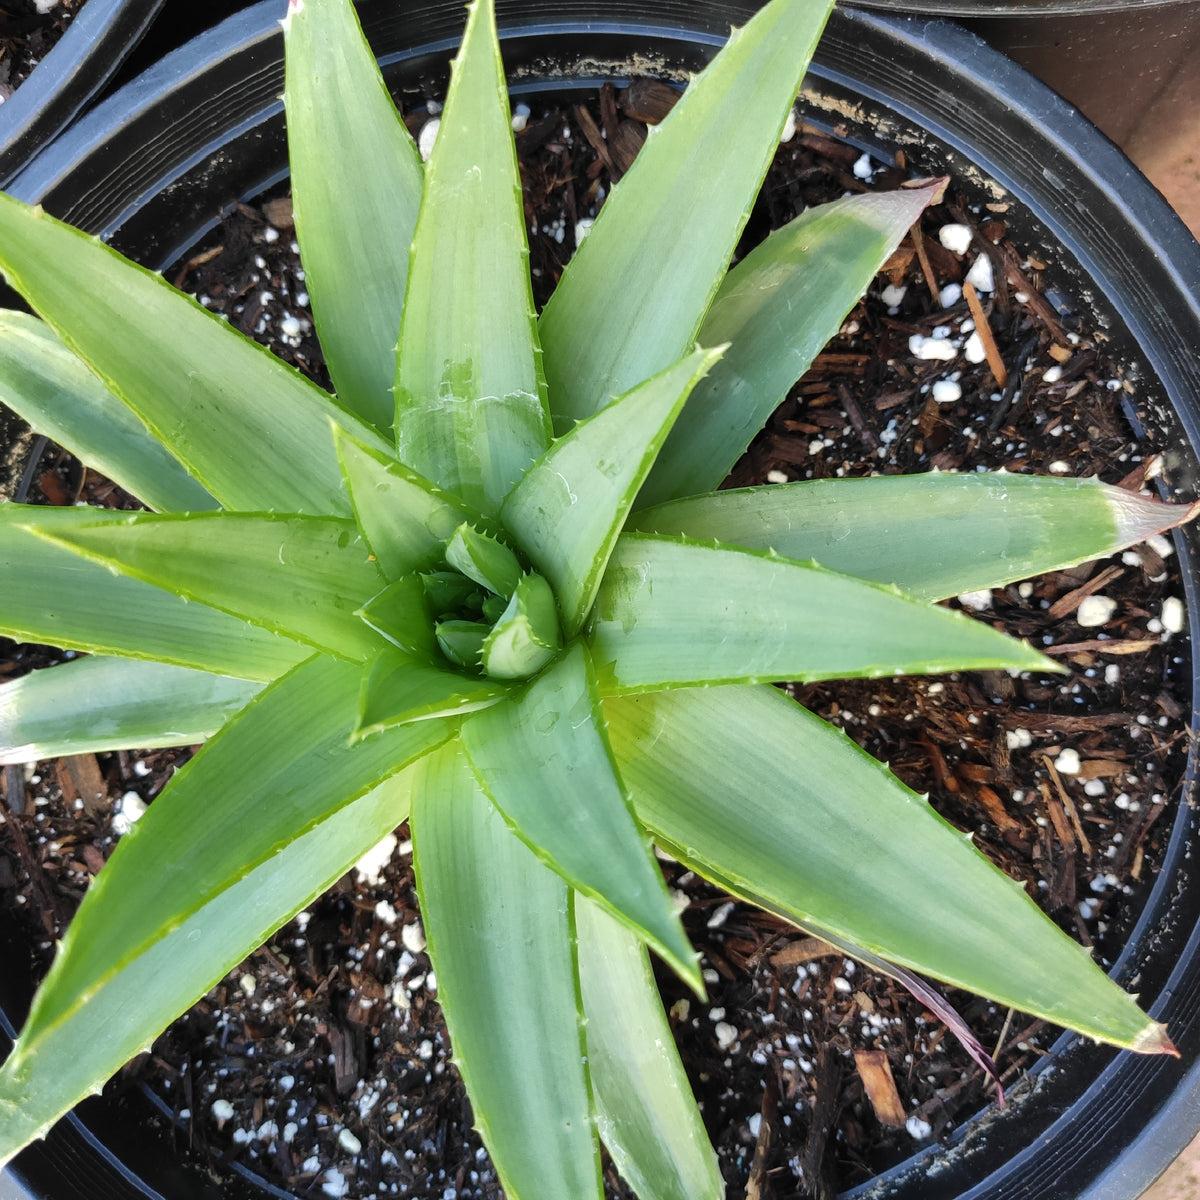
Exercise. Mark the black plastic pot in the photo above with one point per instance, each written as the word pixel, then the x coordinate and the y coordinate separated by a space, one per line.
pixel 82 61
pixel 152 168
pixel 1009 8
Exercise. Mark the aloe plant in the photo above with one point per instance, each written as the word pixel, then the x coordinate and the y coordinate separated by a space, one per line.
pixel 486 588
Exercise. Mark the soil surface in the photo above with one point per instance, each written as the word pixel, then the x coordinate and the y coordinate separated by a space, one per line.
pixel 323 1062
pixel 28 31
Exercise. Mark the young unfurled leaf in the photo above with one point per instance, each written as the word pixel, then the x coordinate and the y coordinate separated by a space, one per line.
pixel 403 517
pixel 526 636
pixel 486 560
pixel 402 614
pixel 462 641
pixel 398 689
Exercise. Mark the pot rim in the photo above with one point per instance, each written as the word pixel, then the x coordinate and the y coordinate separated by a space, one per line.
pixel 90 50
pixel 1074 182
pixel 1011 8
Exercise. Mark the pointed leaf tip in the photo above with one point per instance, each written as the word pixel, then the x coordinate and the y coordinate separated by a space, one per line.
pixel 1138 517
pixel 1154 1040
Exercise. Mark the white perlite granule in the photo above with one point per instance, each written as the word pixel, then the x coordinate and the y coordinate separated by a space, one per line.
pixel 980 275
pixel 917 1128
pixel 727 1035
pixel 956 238
pixel 371 865
pixel 1067 763
pixel 1095 610
pixel 931 349
pixel 427 137
pixel 979 601
pixel 1172 616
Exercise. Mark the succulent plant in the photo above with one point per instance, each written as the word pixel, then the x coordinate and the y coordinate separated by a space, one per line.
pixel 488 588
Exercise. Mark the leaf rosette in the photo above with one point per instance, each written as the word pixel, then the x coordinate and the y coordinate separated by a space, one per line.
pixel 486 588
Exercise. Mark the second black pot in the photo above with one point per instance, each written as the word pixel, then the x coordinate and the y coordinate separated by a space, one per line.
pixel 81 62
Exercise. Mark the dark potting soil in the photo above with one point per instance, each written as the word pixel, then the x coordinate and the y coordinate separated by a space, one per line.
pixel 322 1061
pixel 28 31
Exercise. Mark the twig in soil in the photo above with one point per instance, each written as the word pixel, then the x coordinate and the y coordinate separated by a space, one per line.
pixel 1033 298
pixel 756 1184
pixel 876 1075
pixel 865 432
pixel 1019 387
pixel 1061 723
pixel 983 327
pixel 931 282
pixel 197 260
pixel 1067 604
pixel 827 1085
pixel 1008 1016
pixel 1104 646
pixel 802 952
pixel 14 788
pixel 1068 805
pixel 591 131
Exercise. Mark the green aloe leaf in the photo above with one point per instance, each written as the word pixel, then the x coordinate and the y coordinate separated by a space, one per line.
pixel 573 810
pixel 526 636
pixel 210 827
pixel 568 509
pixel 58 1064
pixel 247 427
pixel 672 613
pixel 500 939
pixel 50 594
pixel 780 840
pixel 470 398
pixel 896 528
pixel 803 280
pixel 398 689
pixel 405 519
pixel 401 614
pixel 355 220
pixel 631 301
pixel 304 577
pixel 486 560
pixel 100 703
pixel 462 641
pixel 645 1109
pixel 43 382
